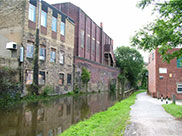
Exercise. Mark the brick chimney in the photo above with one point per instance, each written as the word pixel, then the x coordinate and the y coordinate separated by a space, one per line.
pixel 101 25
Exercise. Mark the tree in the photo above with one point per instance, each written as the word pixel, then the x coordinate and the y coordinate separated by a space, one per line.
pixel 85 77
pixel 130 61
pixel 165 32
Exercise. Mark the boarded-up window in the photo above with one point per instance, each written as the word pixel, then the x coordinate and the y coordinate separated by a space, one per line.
pixel 61 79
pixel 93 45
pixel 88 43
pixel 29 77
pixel 41 77
pixel 61 57
pixel 82 38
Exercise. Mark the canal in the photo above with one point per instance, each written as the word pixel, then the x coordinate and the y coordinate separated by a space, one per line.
pixel 50 118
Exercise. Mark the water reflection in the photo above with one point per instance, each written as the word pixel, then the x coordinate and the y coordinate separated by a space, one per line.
pixel 53 117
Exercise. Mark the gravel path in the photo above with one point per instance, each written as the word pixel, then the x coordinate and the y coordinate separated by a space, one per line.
pixel 148 118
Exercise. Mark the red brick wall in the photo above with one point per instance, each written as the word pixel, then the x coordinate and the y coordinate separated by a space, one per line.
pixel 99 73
pixel 168 85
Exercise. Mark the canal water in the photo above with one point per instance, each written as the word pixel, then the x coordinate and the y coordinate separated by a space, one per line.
pixel 50 118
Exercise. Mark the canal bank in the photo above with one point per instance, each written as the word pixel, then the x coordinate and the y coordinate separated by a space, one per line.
pixel 111 122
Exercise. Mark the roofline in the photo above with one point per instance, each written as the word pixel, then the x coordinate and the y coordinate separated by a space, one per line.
pixel 60 12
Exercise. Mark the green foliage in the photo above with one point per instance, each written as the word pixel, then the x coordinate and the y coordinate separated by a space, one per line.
pixel 165 32
pixel 10 88
pixel 36 65
pixel 143 78
pixel 85 76
pixel 47 90
pixel 112 87
pixel 108 123
pixel 175 110
pixel 130 61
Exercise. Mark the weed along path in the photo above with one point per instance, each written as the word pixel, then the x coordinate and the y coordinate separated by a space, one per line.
pixel 148 118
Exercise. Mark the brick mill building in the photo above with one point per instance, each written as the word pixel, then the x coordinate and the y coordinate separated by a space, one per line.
pixel 18 23
pixel 93 49
pixel 164 79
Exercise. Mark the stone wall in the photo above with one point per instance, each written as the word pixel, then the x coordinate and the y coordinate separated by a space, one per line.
pixel 51 69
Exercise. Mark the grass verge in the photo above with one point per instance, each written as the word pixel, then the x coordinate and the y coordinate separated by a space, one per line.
pixel 108 123
pixel 174 110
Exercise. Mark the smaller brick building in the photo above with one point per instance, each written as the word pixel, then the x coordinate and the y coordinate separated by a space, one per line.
pixel 164 79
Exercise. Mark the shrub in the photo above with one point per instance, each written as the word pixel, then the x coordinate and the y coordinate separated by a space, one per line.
pixel 112 87
pixel 47 90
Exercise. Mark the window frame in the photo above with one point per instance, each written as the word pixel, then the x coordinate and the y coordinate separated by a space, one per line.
pixel 62 27
pixel 82 34
pixel 61 79
pixel 51 53
pixel 54 24
pixel 69 83
pixel 44 79
pixel 88 42
pixel 93 45
pixel 63 57
pixel 178 87
pixel 32 13
pixel 43 18
pixel 30 76
pixel 30 52
pixel 42 57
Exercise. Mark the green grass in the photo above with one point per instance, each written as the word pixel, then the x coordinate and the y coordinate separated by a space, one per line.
pixel 108 123
pixel 173 109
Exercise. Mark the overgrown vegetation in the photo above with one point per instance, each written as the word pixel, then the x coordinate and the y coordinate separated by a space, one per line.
pixel 9 85
pixel 85 77
pixel 108 123
pixel 173 109
pixel 163 33
pixel 130 61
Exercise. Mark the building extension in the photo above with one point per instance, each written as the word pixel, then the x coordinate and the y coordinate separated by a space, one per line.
pixel 165 79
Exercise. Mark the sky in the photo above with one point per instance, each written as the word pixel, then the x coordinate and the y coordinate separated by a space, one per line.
pixel 120 18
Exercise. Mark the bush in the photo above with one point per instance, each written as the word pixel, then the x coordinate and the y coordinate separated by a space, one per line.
pixel 112 87
pixel 47 90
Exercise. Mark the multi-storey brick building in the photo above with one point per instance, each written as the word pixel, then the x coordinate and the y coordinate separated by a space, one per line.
pixel 18 24
pixel 164 79
pixel 93 49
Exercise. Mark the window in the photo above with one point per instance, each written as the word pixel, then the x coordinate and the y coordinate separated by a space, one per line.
pixel 93 45
pixel 29 77
pixel 88 43
pixel 61 79
pixel 53 55
pixel 62 28
pixel 41 77
pixel 42 52
pixel 179 63
pixel 54 24
pixel 69 79
pixel 31 13
pixel 98 48
pixel 179 87
pixel 44 19
pixel 82 38
pixel 30 50
pixel 61 57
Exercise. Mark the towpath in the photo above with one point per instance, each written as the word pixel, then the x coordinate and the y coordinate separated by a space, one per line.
pixel 148 118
